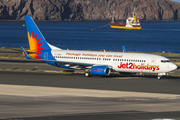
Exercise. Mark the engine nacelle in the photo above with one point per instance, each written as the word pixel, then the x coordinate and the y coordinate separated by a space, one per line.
pixel 100 70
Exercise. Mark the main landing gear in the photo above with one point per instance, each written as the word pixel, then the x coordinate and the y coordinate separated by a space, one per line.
pixel 159 77
pixel 87 73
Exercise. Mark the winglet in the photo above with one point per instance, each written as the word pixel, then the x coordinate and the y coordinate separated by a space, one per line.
pixel 123 49
pixel 25 53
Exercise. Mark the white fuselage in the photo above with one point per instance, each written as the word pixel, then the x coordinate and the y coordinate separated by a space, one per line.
pixel 118 61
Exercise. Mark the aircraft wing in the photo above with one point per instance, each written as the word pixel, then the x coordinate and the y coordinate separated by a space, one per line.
pixel 58 63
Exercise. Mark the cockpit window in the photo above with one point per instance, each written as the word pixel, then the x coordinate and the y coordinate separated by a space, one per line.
pixel 165 61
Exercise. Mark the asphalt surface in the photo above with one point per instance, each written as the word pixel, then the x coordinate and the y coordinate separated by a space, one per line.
pixel 104 108
pixel 127 115
pixel 114 82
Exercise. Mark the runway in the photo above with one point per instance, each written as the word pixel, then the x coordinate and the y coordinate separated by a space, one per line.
pixel 53 105
pixel 69 80
pixel 52 96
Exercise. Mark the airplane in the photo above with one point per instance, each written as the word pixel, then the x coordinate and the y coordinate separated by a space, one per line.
pixel 93 62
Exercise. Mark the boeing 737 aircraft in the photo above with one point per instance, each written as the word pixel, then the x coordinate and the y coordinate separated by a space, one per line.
pixel 93 62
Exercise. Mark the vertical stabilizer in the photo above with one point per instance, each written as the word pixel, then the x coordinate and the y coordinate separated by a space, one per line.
pixel 35 37
pixel 37 43
pixel 123 49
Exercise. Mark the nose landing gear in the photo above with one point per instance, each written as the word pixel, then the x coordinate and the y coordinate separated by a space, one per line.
pixel 161 74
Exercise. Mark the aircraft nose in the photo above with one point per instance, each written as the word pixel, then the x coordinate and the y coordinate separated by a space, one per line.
pixel 173 66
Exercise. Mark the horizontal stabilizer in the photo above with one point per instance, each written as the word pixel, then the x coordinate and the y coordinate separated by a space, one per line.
pixel 25 53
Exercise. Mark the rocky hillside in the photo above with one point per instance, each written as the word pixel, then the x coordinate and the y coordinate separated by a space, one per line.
pixel 89 9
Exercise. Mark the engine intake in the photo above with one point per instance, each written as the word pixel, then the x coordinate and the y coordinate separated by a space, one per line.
pixel 100 70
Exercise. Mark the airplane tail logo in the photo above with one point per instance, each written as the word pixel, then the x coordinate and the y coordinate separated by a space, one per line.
pixel 34 33
pixel 35 46
pixel 37 43
pixel 39 47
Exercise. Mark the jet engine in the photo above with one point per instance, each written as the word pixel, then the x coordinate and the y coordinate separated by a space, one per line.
pixel 100 70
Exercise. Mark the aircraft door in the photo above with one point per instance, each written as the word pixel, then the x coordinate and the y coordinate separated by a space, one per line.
pixel 99 60
pixel 103 60
pixel 153 61
pixel 46 55
pixel 148 64
pixel 168 65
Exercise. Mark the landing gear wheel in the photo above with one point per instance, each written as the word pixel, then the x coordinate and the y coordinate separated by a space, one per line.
pixel 159 77
pixel 87 74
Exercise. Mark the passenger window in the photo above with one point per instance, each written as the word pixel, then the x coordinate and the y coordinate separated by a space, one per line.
pixel 164 61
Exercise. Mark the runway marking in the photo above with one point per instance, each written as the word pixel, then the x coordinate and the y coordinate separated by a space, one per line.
pixel 127 78
pixel 35 91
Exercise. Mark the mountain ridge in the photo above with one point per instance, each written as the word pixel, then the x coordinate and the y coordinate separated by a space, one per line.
pixel 91 10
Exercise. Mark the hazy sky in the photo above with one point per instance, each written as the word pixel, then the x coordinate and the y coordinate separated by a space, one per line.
pixel 176 0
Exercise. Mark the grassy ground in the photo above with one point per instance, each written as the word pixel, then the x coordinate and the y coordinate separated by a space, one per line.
pixel 12 56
